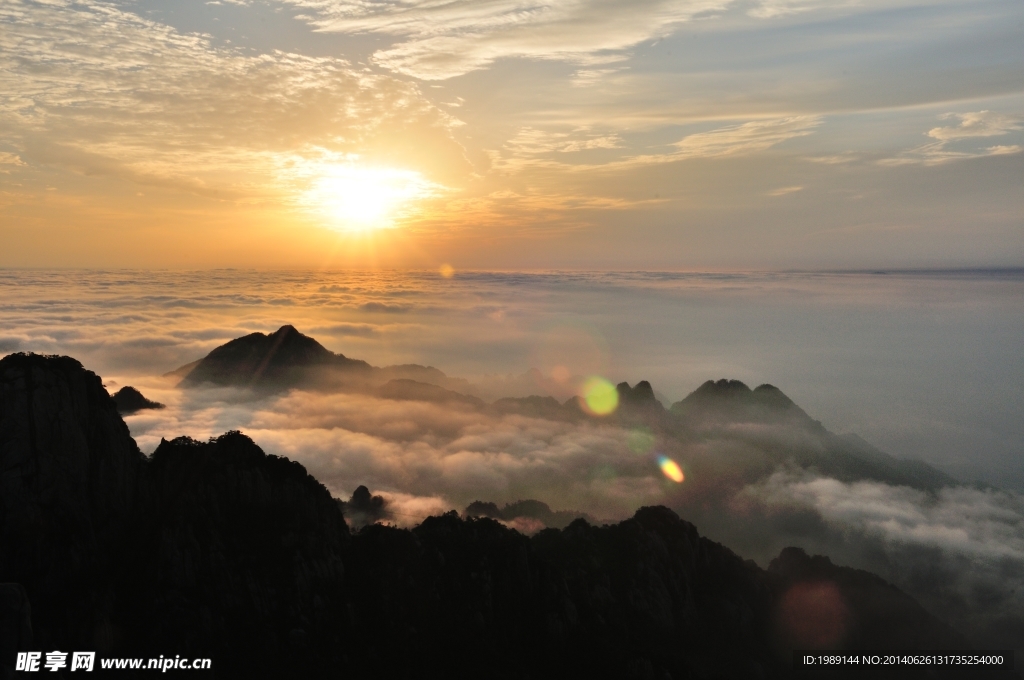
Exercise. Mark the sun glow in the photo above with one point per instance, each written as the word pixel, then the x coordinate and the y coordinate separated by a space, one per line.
pixel 362 199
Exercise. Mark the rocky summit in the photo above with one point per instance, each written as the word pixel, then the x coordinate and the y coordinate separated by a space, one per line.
pixel 283 358
pixel 215 549
pixel 129 400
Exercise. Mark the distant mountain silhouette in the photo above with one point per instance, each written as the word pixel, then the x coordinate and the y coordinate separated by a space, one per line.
pixel 716 406
pixel 215 549
pixel 413 390
pixel 286 358
pixel 129 400
pixel 640 395
pixel 529 509
pixel 283 358
pixel 363 508
pixel 734 400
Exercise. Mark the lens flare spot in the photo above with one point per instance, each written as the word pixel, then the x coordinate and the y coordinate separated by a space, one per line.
pixel 599 396
pixel 447 271
pixel 671 469
pixel 640 440
pixel 812 616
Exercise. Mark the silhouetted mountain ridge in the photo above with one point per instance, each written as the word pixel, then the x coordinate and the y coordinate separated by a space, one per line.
pixel 281 358
pixel 287 359
pixel 529 509
pixel 732 398
pixel 215 549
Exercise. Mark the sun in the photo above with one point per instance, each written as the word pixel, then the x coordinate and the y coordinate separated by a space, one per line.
pixel 359 199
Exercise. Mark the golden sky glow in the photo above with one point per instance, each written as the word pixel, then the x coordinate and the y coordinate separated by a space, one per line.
pixel 767 133
pixel 354 198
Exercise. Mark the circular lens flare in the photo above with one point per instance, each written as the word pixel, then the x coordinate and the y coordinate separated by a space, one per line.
pixel 641 440
pixel 671 469
pixel 599 396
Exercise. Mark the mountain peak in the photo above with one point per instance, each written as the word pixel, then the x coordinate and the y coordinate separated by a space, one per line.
pixel 279 359
pixel 640 395
pixel 129 400
pixel 723 388
pixel 285 330
pixel 735 399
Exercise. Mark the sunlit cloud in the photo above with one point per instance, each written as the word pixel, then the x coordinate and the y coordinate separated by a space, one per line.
pixel 444 40
pixel 977 124
pixel 955 141
pixel 783 191
pixel 103 92
pixel 751 137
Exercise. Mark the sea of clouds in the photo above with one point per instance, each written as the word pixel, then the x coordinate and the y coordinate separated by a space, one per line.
pixel 824 339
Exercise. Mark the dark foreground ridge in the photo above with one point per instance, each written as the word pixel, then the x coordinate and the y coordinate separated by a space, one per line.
pixel 215 549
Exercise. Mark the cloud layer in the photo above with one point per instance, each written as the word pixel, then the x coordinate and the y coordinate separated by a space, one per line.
pixel 443 40
pixel 674 329
pixel 104 92
pixel 967 138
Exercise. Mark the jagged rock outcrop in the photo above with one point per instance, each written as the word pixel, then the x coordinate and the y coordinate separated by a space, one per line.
pixel 129 400
pixel 640 396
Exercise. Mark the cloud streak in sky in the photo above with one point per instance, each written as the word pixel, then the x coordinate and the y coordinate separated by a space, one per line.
pixel 444 40
pixel 961 141
pixel 104 92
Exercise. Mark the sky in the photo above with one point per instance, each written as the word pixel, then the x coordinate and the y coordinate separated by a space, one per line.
pixel 512 134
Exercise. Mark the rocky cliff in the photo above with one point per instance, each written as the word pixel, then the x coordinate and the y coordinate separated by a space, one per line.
pixel 71 481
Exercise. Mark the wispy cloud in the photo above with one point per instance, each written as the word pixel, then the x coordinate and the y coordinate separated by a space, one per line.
pixel 534 148
pixel 758 135
pixel 783 191
pixel 959 141
pixel 92 88
pixel 977 124
pixel 443 40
